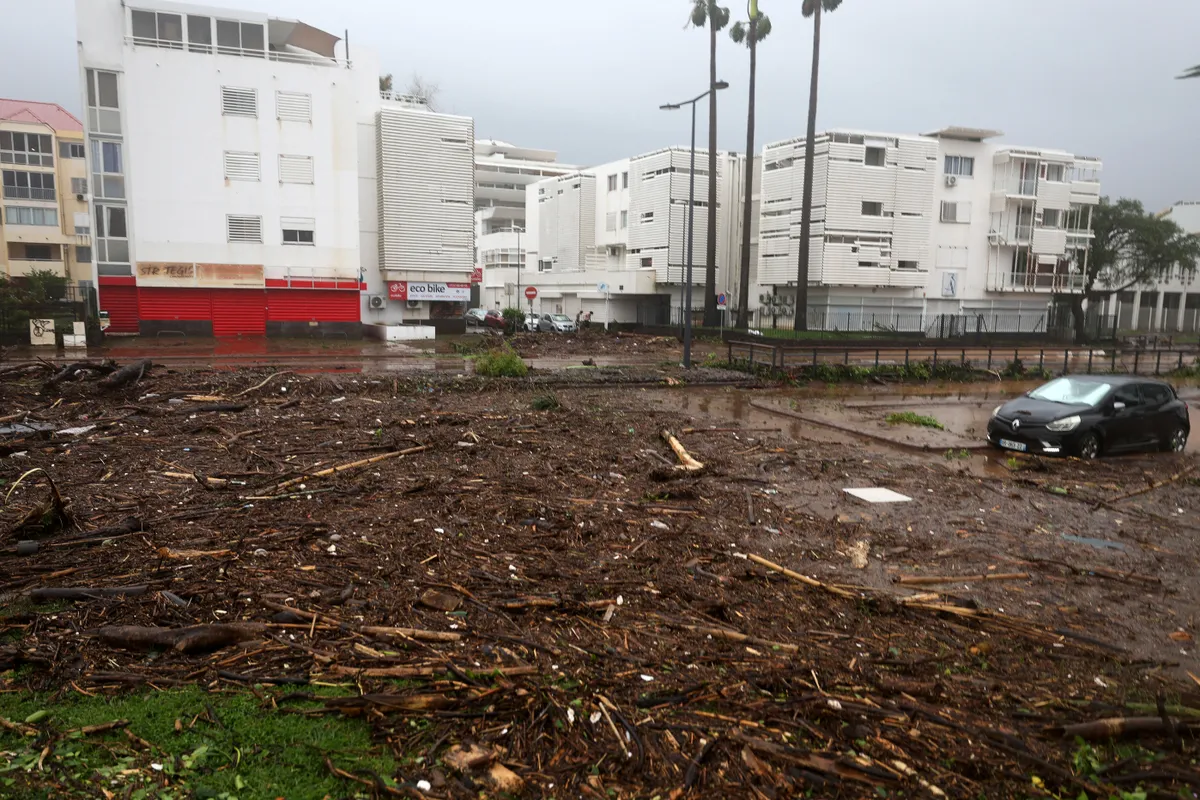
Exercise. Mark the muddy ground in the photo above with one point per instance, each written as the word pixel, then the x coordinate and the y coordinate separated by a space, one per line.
pixel 589 342
pixel 526 572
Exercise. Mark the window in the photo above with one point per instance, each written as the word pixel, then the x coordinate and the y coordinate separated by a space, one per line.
pixel 39 252
pixel 83 223
pixel 610 221
pixel 956 212
pixel 157 29
pixel 647 217
pixel 624 220
pixel 1156 394
pixel 71 149
pixel 28 215
pixel 1129 395
pixel 1056 172
pixel 647 261
pixel 876 157
pixel 34 149
pixel 241 166
pixel 78 185
pixel 963 166
pixel 295 169
pixel 239 38
pixel 107 169
pixel 83 254
pixel 1052 218
pixel 297 230
pixel 112 235
pixel 906 265
pixel 237 102
pixel 612 183
pixel 243 228
pixel 103 114
pixel 199 34
pixel 28 185
pixel 872 209
pixel 624 180
pixel 293 106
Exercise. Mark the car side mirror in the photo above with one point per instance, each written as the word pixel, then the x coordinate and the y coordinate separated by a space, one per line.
pixel 1118 406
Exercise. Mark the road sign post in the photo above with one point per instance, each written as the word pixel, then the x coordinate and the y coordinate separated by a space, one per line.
pixel 530 295
pixel 603 289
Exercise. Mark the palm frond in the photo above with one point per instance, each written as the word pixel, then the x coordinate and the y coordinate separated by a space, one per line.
pixel 699 15
pixel 810 6
pixel 1193 72
pixel 764 27
pixel 738 32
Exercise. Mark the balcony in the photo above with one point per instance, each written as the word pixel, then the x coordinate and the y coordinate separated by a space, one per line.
pixel 22 267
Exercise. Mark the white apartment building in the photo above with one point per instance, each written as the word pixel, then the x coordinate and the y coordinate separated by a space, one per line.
pixel 909 227
pixel 224 168
pixel 416 199
pixel 1173 305
pixel 502 173
pixel 612 239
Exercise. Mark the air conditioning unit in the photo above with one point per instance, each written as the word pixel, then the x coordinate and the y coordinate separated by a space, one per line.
pixel 376 301
pixel 952 180
pixel 412 303
pixel 764 299
pixel 79 197
pixel 789 300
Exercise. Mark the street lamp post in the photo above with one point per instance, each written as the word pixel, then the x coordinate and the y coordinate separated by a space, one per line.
pixel 691 221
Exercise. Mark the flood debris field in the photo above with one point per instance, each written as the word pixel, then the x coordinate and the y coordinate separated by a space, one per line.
pixel 593 341
pixel 522 593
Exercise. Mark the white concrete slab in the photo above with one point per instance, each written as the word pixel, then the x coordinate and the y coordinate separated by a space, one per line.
pixel 878 495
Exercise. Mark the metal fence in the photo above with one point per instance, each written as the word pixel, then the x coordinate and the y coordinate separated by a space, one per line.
pixel 76 305
pixel 787 358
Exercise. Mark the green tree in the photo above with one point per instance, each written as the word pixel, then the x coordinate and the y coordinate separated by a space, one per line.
pixel 385 82
pixel 814 9
pixel 44 286
pixel 1130 248
pixel 706 13
pixel 750 33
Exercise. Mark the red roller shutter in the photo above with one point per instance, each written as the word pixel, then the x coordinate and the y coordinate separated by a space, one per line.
pixel 308 305
pixel 237 311
pixel 158 303
pixel 121 303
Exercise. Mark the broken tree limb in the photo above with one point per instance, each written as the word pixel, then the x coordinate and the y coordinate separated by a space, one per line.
pixel 366 462
pixel 686 462
pixel 926 580
pixel 732 636
pixel 130 373
pixel 796 576
pixel 1116 727
pixel 86 593
pixel 428 671
pixel 270 378
pixel 374 630
pixel 1156 485
pixel 193 639
pixel 71 370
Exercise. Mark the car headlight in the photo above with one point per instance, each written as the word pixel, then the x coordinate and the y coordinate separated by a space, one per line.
pixel 996 411
pixel 1064 424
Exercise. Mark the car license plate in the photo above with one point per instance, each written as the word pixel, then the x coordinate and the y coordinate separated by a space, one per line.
pixel 1009 444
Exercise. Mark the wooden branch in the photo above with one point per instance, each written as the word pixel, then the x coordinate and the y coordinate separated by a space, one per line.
pixel 733 636
pixel 796 576
pixel 427 671
pixel 925 580
pixel 1155 485
pixel 366 462
pixel 374 630
pixel 687 463
pixel 270 378
pixel 130 373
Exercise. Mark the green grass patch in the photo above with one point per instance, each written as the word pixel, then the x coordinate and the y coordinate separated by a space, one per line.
pixel 913 418
pixel 231 746
pixel 546 402
pixel 501 364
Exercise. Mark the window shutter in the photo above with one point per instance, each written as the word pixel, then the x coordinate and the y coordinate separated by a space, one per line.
pixel 295 169
pixel 239 102
pixel 244 228
pixel 294 106
pixel 241 166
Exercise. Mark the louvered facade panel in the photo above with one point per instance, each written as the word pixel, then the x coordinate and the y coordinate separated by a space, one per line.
pixel 239 102
pixel 241 166
pixel 426 191
pixel 295 169
pixel 293 106
pixel 243 228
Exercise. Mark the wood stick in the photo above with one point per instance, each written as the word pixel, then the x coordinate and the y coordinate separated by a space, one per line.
pixel 270 378
pixel 374 630
pixel 733 636
pixel 366 462
pixel 687 463
pixel 924 580
pixel 807 581
pixel 426 671
pixel 687 431
pixel 1155 485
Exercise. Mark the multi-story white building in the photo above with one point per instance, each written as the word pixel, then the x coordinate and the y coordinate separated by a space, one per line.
pixel 612 239
pixel 908 227
pixel 417 206
pixel 502 173
pixel 1173 305
pixel 224 166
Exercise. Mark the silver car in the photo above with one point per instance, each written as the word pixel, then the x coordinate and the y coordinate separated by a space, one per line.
pixel 557 323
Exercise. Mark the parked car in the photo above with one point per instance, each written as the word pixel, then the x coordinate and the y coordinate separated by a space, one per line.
pixel 538 322
pixel 474 317
pixel 493 319
pixel 559 323
pixel 1092 415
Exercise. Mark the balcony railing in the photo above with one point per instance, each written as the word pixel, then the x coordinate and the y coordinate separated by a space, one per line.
pixel 28 193
pixel 244 52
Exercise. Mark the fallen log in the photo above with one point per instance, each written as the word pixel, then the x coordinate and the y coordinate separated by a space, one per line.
pixel 193 639
pixel 86 593
pixel 69 371
pixel 130 373
pixel 686 462
pixel 1116 727
pixel 926 580
pixel 366 462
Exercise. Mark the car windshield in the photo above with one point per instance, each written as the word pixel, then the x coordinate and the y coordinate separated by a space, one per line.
pixel 561 318
pixel 1071 391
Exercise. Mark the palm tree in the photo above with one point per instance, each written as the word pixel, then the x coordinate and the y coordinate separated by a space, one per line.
pixel 752 33
pixel 707 12
pixel 812 8
pixel 1192 72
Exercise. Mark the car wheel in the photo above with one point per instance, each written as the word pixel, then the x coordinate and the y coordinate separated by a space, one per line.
pixel 1177 441
pixel 1088 447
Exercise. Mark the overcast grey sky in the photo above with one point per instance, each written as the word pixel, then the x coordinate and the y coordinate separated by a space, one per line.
pixel 1095 77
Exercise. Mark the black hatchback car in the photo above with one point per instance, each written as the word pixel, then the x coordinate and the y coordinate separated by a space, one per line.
pixel 1087 415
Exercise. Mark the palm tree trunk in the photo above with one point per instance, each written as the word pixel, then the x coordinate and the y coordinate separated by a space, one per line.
pixel 711 320
pixel 743 318
pixel 806 204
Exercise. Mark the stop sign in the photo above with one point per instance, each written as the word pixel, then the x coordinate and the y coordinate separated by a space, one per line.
pixel 530 293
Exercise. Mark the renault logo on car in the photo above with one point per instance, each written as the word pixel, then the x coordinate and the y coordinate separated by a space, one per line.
pixel 1016 424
